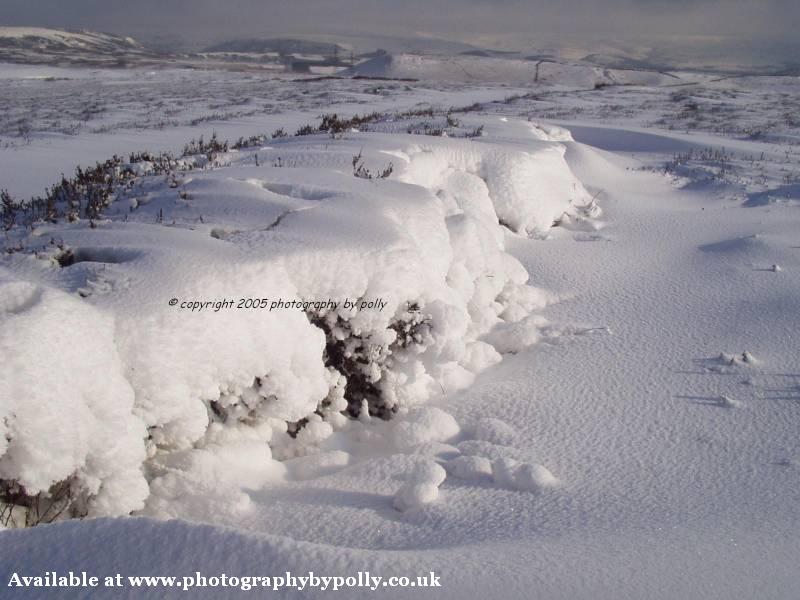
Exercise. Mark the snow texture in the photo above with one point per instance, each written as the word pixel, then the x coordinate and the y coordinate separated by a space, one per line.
pixel 583 383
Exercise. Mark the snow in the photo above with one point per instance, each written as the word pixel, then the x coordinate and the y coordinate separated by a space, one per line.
pixel 598 397
pixel 478 69
pixel 55 46
pixel 427 424
pixel 64 37
pixel 528 189
pixel 80 403
pixel 421 486
pixel 522 476
pixel 495 431
pixel 406 274
pixel 470 467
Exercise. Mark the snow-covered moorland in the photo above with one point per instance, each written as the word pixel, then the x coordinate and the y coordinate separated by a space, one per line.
pixel 577 377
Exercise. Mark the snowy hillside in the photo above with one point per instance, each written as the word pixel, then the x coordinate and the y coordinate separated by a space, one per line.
pixel 38 45
pixel 278 45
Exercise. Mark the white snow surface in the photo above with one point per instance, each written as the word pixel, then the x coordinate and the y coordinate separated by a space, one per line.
pixel 627 428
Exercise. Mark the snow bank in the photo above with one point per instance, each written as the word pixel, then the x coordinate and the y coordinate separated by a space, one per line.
pixel 227 391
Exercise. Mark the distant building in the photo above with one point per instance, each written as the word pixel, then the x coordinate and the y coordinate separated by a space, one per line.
pixel 295 65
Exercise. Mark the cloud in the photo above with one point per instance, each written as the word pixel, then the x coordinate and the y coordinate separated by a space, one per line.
pixel 211 20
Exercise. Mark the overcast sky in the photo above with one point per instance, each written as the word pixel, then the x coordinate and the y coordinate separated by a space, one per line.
pixel 463 20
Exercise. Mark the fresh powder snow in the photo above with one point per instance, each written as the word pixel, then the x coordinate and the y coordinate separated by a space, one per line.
pixel 530 327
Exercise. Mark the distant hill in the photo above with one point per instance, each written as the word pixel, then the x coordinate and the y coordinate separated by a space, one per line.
pixel 278 45
pixel 38 45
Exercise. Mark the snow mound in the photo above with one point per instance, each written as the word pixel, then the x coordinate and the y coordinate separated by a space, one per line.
pixel 423 425
pixel 213 480
pixel 513 337
pixel 728 402
pixel 469 467
pixel 66 407
pixel 526 189
pixel 727 361
pixel 421 486
pixel 528 477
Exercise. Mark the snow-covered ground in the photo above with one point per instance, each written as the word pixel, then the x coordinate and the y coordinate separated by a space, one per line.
pixel 584 331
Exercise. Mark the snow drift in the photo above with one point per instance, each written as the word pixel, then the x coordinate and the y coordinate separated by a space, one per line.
pixel 140 389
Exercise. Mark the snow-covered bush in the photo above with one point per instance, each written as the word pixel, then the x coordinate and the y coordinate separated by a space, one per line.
pixel 69 441
pixel 139 390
